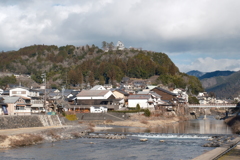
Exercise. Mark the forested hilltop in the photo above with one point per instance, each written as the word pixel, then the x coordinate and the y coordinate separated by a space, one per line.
pixel 73 66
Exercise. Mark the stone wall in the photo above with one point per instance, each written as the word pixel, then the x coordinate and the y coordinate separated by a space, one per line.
pixel 10 122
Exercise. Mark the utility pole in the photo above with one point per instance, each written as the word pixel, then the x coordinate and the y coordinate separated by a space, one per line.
pixel 45 84
pixel 63 89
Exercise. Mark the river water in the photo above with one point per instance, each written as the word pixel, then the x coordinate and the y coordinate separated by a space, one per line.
pixel 175 142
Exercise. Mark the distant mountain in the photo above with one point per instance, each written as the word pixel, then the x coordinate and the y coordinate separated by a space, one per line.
pixel 195 73
pixel 223 86
pixel 216 74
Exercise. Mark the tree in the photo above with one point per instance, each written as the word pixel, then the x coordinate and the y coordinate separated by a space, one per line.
pixel 138 107
pixel 212 94
pixel 111 46
pixel 91 79
pixel 72 76
pixel 101 80
pixel 193 100
pixel 104 45
pixel 147 113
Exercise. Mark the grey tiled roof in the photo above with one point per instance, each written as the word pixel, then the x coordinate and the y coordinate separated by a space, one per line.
pixel 92 93
pixel 10 99
pixel 139 96
pixel 166 91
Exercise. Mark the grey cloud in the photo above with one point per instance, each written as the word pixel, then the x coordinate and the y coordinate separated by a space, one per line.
pixel 209 28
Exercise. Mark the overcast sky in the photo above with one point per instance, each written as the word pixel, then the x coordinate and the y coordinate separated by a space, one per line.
pixel 199 35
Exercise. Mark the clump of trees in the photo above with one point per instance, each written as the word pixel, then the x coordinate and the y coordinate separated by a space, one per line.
pixel 4 81
pixel 193 100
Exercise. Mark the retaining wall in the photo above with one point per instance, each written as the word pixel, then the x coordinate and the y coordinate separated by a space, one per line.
pixel 9 122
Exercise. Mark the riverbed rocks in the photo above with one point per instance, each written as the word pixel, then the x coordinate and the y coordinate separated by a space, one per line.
pixel 217 141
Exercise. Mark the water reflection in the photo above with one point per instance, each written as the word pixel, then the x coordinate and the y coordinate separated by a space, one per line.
pixel 197 126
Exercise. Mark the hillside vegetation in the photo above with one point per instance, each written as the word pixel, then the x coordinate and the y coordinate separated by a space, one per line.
pixel 74 66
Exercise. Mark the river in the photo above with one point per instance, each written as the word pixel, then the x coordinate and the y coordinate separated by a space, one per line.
pixel 179 141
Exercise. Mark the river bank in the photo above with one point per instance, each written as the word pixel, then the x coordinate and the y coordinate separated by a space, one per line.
pixel 234 123
pixel 29 136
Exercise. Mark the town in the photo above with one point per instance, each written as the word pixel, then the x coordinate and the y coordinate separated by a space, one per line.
pixel 19 100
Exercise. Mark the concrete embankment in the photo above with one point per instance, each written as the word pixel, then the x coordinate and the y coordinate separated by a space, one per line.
pixel 218 152
pixel 10 122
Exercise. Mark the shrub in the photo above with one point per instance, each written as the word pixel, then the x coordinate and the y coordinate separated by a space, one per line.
pixel 138 107
pixel 147 113
pixel 71 117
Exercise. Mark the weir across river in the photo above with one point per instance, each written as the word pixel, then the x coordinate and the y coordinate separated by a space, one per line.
pixel 225 105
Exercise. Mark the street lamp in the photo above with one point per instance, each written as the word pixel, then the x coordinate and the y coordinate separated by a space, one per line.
pixel 45 83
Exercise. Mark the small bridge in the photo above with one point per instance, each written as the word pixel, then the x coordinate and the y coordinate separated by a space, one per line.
pixel 226 105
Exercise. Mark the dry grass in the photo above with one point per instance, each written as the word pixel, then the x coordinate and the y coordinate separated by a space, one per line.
pixel 108 121
pixel 25 140
pixel 53 133
pixel 3 138
pixel 91 124
pixel 144 121
pixel 90 129
pixel 182 118
pixel 80 122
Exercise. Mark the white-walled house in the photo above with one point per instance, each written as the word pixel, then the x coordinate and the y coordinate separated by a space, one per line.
pixel 19 91
pixel 1 91
pixel 144 100
pixel 181 95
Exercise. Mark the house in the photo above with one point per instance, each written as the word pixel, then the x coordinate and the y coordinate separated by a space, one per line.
pixel 182 95
pixel 108 86
pixel 120 94
pixel 98 87
pixel 150 87
pixel 144 100
pixel 19 91
pixel 95 94
pixel 165 94
pixel 87 98
pixel 1 91
pixel 15 106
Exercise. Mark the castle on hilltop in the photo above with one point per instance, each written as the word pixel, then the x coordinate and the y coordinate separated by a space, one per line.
pixel 120 46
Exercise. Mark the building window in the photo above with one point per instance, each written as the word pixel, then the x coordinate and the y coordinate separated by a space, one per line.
pixel 20 108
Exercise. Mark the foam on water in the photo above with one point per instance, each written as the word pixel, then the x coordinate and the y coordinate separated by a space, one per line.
pixel 185 136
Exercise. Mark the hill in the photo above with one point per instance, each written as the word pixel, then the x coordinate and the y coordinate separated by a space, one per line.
pixel 77 66
pixel 223 86
pixel 216 74
pixel 195 73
